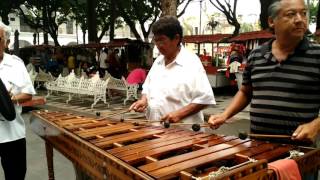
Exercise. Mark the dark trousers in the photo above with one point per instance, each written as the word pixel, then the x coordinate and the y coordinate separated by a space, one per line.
pixel 13 159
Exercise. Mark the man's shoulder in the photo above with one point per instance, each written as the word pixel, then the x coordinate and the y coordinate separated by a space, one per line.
pixel 16 58
pixel 13 59
pixel 262 47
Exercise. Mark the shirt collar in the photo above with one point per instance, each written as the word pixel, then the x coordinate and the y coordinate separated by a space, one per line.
pixel 6 61
pixel 266 49
pixel 179 60
pixel 302 46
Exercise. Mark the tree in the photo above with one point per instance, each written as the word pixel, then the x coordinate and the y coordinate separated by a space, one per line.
pixel 46 15
pixel 145 13
pixel 185 4
pixel 212 23
pixel 187 28
pixel 169 7
pixel 108 18
pixel 246 27
pixel 318 17
pixel 92 20
pixel 7 7
pixel 79 14
pixel 318 23
pixel 264 13
pixel 314 11
pixel 230 13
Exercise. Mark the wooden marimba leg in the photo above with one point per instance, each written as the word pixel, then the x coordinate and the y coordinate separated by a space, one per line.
pixel 49 154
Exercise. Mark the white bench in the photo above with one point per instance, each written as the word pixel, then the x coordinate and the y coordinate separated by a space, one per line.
pixel 80 86
pixel 43 77
pixel 122 85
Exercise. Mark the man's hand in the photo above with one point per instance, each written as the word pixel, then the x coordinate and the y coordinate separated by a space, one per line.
pixel 215 121
pixel 172 117
pixel 307 131
pixel 139 106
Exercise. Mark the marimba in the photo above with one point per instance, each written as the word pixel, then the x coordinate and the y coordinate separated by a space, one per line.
pixel 109 149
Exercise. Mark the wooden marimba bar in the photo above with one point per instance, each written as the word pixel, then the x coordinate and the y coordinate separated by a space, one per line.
pixel 108 149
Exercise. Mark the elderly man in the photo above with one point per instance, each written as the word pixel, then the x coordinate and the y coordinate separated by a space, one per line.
pixel 177 87
pixel 12 133
pixel 282 79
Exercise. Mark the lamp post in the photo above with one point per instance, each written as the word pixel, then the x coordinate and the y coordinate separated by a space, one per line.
pixel 200 16
pixel 200 1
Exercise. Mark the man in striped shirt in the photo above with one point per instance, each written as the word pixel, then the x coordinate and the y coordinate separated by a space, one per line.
pixel 282 79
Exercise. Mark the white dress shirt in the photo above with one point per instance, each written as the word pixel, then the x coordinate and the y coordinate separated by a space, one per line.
pixel 16 78
pixel 182 82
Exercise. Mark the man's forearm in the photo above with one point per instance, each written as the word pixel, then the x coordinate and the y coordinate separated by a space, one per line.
pixel 239 102
pixel 21 98
pixel 316 123
pixel 190 109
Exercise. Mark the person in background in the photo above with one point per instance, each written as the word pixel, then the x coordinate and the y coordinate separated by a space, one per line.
pixel 137 76
pixel 123 63
pixel 281 80
pixel 114 66
pixel 176 88
pixel 102 59
pixel 71 61
pixel 15 77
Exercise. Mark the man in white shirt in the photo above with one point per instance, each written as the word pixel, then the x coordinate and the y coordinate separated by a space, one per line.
pixel 15 77
pixel 176 88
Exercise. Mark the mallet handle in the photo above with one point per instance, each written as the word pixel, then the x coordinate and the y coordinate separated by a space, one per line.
pixel 269 135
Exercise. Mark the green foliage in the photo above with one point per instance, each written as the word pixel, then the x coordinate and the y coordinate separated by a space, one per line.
pixel 313 8
pixel 143 12
pixel 246 27
pixel 8 6
pixel 212 23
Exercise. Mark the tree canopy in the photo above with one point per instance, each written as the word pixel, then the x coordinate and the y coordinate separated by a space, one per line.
pixel 48 15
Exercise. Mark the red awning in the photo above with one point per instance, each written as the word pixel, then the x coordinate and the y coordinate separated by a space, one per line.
pixel 206 38
pixel 264 34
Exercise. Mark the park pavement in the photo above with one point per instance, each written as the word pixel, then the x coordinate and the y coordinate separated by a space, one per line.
pixel 63 168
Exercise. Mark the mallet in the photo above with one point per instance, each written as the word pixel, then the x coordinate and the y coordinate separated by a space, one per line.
pixel 195 127
pixel 244 135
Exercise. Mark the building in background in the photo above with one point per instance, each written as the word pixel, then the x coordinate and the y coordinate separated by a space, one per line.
pixel 68 33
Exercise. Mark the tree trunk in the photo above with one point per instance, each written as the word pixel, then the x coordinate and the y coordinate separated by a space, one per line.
pixel 112 21
pixel 55 40
pixel 92 21
pixel 84 36
pixel 5 18
pixel 169 7
pixel 317 33
pixel 45 38
pixel 264 13
pixel 318 18
pixel 236 29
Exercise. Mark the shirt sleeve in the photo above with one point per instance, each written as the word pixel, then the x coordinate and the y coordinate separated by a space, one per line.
pixel 145 86
pixel 23 80
pixel 202 93
pixel 247 70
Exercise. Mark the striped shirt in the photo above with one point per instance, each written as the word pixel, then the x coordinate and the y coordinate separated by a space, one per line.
pixel 285 94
